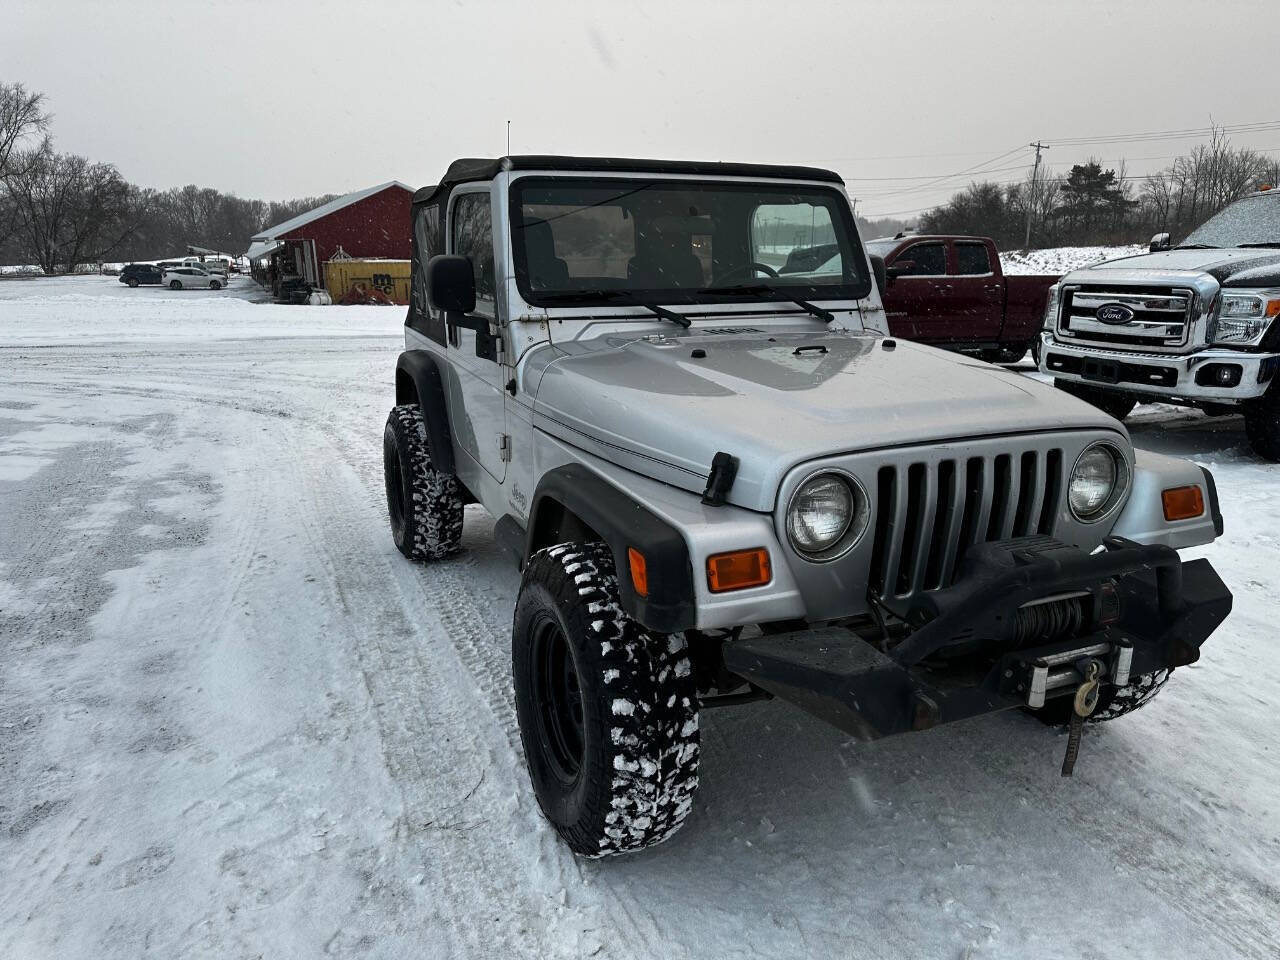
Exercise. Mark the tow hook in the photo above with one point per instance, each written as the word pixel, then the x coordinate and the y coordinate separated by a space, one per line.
pixel 1082 705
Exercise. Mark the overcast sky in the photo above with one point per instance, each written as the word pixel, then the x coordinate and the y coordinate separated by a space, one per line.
pixel 278 100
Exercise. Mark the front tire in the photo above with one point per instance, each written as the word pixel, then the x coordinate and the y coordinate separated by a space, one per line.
pixel 608 711
pixel 131 282
pixel 424 505
pixel 1262 425
pixel 1118 405
pixel 215 285
pixel 175 284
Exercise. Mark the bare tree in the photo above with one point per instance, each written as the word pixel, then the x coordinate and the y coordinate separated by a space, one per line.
pixel 69 210
pixel 22 116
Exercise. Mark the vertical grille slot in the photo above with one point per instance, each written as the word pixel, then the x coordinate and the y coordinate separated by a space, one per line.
pixel 1000 506
pixel 1029 492
pixel 975 483
pixel 910 535
pixel 946 517
pixel 1052 492
pixel 886 495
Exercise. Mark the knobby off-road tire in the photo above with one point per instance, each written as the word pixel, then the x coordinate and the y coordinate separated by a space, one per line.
pixel 1118 405
pixel 424 505
pixel 1262 425
pixel 1112 701
pixel 608 711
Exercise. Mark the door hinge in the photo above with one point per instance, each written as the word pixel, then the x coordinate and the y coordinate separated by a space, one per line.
pixel 504 448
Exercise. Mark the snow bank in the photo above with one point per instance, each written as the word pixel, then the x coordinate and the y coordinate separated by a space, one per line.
pixel 1061 260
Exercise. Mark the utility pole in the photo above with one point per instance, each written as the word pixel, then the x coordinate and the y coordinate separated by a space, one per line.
pixel 1031 200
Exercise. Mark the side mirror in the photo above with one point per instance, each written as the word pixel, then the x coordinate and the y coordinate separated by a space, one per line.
pixel 878 271
pixel 451 284
pixel 900 268
pixel 1159 242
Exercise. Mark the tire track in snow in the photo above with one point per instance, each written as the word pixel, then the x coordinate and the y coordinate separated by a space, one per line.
pixel 419 706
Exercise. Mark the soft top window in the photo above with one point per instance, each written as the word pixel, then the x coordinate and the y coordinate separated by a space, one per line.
pixel 613 240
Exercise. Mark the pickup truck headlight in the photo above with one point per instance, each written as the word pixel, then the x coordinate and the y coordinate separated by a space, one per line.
pixel 1051 307
pixel 1242 319
pixel 827 515
pixel 1098 482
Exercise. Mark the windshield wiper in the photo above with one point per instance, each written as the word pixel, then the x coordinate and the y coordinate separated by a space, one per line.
pixel 1261 243
pixel 757 290
pixel 678 319
pixel 1195 246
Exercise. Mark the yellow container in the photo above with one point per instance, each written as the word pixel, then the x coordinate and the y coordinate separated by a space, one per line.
pixel 368 280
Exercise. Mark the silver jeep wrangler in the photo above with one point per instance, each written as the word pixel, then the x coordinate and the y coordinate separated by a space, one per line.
pixel 671 385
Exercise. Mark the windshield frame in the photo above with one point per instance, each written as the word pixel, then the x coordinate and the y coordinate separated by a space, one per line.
pixel 785 293
pixel 1195 236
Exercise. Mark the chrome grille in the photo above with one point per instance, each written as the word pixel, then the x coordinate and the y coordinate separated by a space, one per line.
pixel 1161 317
pixel 929 513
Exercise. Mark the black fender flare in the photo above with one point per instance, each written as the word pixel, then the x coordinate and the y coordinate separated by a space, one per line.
pixel 422 369
pixel 622 522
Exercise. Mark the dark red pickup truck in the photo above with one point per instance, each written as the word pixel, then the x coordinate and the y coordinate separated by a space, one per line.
pixel 951 292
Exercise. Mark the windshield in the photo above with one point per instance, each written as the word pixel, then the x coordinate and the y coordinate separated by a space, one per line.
pixel 881 248
pixel 579 241
pixel 1251 220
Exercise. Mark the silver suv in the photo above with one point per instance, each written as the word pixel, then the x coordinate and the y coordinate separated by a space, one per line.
pixel 723 482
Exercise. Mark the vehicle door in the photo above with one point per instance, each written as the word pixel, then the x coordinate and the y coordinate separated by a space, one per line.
pixel 918 273
pixel 975 300
pixel 476 383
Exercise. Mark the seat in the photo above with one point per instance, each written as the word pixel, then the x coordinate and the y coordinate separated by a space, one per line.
pixel 546 270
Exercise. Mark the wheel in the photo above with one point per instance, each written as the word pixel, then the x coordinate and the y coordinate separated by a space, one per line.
pixel 1262 425
pixel 175 284
pixel 608 711
pixel 1036 346
pixel 1115 403
pixel 215 285
pixel 1112 701
pixel 132 282
pixel 424 504
pixel 1011 354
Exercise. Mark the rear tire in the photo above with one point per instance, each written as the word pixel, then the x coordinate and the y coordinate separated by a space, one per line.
pixel 1113 701
pixel 608 711
pixel 1115 403
pixel 424 505
pixel 1262 425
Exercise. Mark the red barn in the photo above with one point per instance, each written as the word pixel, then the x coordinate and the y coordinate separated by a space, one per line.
pixel 373 222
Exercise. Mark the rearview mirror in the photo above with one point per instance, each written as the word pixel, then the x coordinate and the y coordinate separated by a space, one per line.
pixel 451 284
pixel 878 271
pixel 1159 242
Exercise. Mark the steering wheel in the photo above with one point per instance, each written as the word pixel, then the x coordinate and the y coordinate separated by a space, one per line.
pixel 745 268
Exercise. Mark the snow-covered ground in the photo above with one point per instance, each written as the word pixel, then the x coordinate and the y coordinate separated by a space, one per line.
pixel 234 722
pixel 1061 260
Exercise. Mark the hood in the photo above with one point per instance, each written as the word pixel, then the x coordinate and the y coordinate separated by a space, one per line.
pixel 774 402
pixel 1231 267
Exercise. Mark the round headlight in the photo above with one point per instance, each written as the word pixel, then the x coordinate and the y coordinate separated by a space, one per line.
pixel 826 516
pixel 1098 481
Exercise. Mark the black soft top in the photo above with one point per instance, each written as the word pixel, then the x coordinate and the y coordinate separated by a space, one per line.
pixel 473 168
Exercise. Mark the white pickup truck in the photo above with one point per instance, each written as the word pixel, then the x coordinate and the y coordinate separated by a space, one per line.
pixel 1191 324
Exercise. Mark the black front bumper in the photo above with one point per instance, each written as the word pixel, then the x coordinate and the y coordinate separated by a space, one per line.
pixel 975 648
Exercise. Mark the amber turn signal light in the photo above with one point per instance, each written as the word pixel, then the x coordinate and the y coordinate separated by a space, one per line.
pixel 738 570
pixel 1183 503
pixel 639 572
